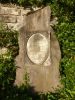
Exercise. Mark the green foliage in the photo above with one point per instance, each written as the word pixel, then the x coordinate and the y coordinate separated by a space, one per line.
pixel 9 41
pixel 26 3
pixel 33 2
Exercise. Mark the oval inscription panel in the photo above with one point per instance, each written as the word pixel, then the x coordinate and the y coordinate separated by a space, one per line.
pixel 37 48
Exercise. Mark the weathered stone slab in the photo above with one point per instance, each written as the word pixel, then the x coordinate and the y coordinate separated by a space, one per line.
pixel 38 21
pixel 37 57
pixel 8 18
pixel 8 10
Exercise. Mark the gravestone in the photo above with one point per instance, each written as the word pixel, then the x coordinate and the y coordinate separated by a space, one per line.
pixel 39 51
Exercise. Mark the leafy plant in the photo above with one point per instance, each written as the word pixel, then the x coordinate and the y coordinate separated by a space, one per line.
pixel 8 42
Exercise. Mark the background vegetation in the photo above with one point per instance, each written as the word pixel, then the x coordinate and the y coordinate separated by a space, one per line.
pixel 65 31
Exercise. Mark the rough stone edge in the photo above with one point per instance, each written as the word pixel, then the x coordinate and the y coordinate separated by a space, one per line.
pixel 56 54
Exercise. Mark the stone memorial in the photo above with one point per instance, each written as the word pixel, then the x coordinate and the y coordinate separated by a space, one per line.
pixel 39 51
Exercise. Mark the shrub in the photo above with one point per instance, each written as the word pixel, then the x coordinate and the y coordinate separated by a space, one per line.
pixel 8 42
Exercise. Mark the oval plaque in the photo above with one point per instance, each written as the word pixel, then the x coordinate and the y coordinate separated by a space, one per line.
pixel 37 48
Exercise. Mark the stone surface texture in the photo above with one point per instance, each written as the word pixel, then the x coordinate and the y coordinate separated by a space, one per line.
pixel 13 16
pixel 43 74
